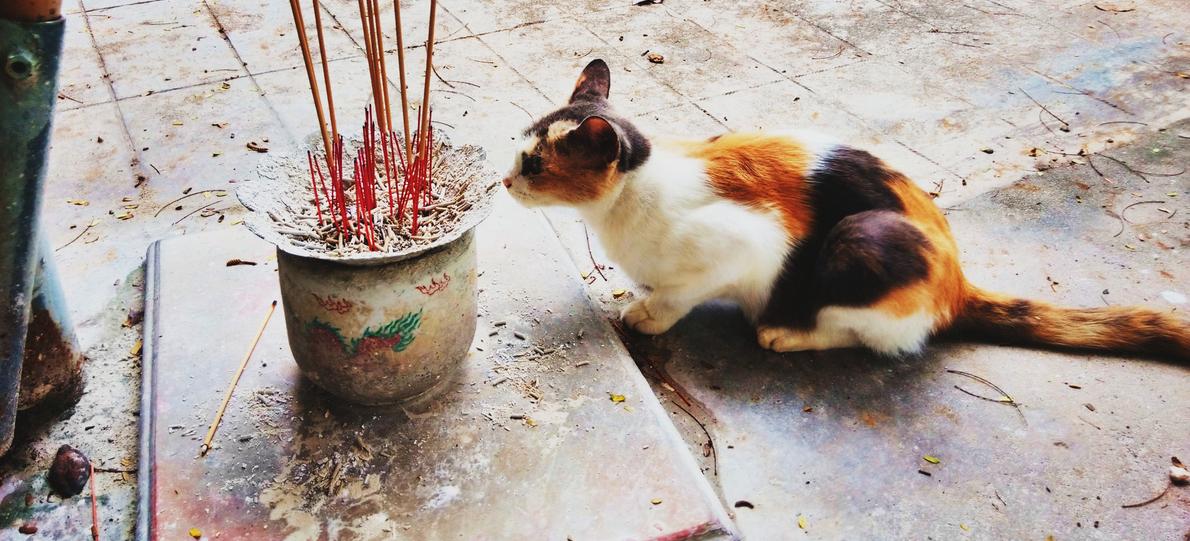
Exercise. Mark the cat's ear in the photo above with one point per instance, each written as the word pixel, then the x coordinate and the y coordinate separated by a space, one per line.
pixel 594 83
pixel 594 144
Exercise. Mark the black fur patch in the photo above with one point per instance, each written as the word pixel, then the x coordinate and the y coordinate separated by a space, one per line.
pixel 867 255
pixel 852 256
pixel 634 147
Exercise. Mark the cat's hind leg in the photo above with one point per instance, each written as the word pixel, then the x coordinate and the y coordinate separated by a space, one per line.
pixel 870 283
pixel 787 339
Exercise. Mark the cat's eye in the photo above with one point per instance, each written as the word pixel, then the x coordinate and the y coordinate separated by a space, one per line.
pixel 530 165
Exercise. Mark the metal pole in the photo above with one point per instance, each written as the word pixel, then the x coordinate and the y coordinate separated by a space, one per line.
pixel 51 375
pixel 29 53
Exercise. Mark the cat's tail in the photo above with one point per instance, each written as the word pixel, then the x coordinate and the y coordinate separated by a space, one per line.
pixel 1114 329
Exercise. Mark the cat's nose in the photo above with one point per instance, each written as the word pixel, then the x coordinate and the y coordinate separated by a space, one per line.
pixel 507 182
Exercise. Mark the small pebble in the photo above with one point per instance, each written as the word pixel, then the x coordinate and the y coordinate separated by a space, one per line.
pixel 69 472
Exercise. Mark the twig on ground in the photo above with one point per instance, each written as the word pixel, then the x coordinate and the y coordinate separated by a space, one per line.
pixel 191 194
pixel 1150 500
pixel 1006 398
pixel 79 236
pixel 1046 109
pixel 598 267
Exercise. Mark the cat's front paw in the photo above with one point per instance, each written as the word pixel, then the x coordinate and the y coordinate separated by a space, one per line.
pixel 637 316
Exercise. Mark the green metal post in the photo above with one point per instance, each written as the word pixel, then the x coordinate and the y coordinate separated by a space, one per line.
pixel 29 53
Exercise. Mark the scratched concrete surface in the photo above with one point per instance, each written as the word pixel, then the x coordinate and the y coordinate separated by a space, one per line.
pixel 159 97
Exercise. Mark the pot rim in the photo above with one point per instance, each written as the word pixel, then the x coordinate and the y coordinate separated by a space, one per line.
pixel 256 220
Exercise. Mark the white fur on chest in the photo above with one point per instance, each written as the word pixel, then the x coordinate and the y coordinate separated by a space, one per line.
pixel 667 229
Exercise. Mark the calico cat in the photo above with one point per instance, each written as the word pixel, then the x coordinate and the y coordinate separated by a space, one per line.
pixel 821 244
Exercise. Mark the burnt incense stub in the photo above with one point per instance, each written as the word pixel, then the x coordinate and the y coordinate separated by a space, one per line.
pixel 285 211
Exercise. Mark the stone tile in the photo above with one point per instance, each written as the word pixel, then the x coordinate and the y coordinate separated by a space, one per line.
pixel 176 136
pixel 697 63
pixel 770 34
pixel 490 103
pixel 552 55
pixel 869 25
pixel 287 92
pixel 161 45
pixel 94 248
pixel 484 17
pixel 687 121
pixel 787 106
pixel 265 38
pixel 415 20
pixel 99 5
pixel 80 78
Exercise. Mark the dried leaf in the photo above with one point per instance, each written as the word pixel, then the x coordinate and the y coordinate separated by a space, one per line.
pixel 1116 7
pixel 931 459
pixel 177 123
pixel 655 501
pixel 619 293
pixel 124 216
pixel 195 533
pixel 656 58
pixel 964 527
pixel 617 398
pixel 219 125
pixel 801 522
pixel 257 147
pixel 78 202
pixel 135 351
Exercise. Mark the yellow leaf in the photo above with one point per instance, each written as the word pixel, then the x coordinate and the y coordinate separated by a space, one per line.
pixel 1130 247
pixel 1005 399
pixel 617 398
pixel 136 348
pixel 78 202
pixel 195 533
pixel 964 527
pixel 177 123
pixel 801 522
pixel 655 501
pixel 1172 194
pixel 529 421
pixel 124 216
pixel 931 459
pixel 619 293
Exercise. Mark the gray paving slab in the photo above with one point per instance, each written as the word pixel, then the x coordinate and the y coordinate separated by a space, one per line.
pixel 151 46
pixel 524 443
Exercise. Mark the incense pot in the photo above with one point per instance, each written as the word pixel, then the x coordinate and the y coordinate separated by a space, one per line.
pixel 377 328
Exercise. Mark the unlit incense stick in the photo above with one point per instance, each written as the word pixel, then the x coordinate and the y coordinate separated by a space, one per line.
pixel 206 442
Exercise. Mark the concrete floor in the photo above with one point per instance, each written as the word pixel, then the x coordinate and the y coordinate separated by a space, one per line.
pixel 160 97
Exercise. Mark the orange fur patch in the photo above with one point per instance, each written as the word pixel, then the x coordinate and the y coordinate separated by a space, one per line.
pixel 944 290
pixel 564 179
pixel 760 171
